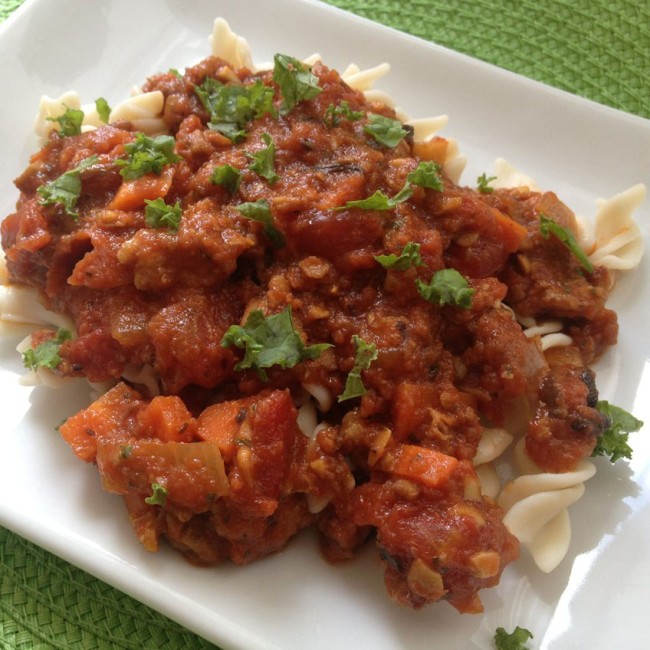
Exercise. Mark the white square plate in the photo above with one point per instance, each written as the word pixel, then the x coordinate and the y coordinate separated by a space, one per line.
pixel 581 150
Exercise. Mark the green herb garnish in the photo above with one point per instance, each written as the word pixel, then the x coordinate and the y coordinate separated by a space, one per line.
pixel 483 183
pixel 46 354
pixel 227 176
pixel 385 130
pixel 613 441
pixel 270 341
pixel 158 214
pixel 264 160
pixel 69 122
pixel 447 287
pixel 103 109
pixel 364 355
pixel 296 81
pixel 158 495
pixel 408 258
pixel 147 155
pixel 335 112
pixel 514 640
pixel 260 210
pixel 66 189
pixel 549 227
pixel 232 107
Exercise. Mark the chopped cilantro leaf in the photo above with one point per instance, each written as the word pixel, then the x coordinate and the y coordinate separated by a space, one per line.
pixel 147 155
pixel 103 109
pixel 296 81
pixel 408 258
pixel 260 210
pixel 483 183
pixel 376 201
pixel 69 122
pixel 427 174
pixel 46 354
pixel 364 355
pixel 231 107
pixel 447 287
pixel 270 341
pixel 227 176
pixel 66 189
pixel 334 113
pixel 514 640
pixel 549 227
pixel 158 495
pixel 385 130
pixel 158 214
pixel 613 441
pixel 264 160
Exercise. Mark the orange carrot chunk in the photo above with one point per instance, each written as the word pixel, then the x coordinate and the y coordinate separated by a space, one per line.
pixel 425 466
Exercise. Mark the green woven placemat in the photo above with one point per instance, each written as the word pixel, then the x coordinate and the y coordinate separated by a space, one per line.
pixel 599 49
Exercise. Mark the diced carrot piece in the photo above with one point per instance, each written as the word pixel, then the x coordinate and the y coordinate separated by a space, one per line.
pixel 434 149
pixel 109 417
pixel 132 194
pixel 220 423
pixel 511 233
pixel 167 418
pixel 422 465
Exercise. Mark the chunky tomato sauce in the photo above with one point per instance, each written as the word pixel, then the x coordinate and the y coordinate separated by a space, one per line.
pixel 394 464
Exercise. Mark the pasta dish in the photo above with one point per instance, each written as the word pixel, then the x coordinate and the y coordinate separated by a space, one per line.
pixel 295 315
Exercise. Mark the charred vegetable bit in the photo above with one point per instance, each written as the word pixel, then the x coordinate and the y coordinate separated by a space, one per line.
pixel 270 341
pixel 613 441
pixel 147 156
pixel 46 354
pixel 549 227
pixel 364 355
pixel 447 287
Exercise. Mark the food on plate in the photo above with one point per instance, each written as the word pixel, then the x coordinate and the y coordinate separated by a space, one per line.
pixel 297 316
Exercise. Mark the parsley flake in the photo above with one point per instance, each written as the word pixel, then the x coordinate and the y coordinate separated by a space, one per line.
pixel 514 640
pixel 66 189
pixel 158 495
pixel 296 81
pixel 103 109
pixel 408 258
pixel 158 214
pixel 147 155
pixel 227 176
pixel 334 113
pixel 69 122
pixel 231 107
pixel 264 161
pixel 364 355
pixel 549 227
pixel 270 341
pixel 260 210
pixel 385 130
pixel 46 354
pixel 483 183
pixel 446 287
pixel 613 441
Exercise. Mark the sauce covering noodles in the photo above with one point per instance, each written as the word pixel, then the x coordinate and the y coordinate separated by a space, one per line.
pixel 295 316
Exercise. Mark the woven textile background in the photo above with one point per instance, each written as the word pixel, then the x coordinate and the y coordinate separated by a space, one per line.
pixel 599 49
